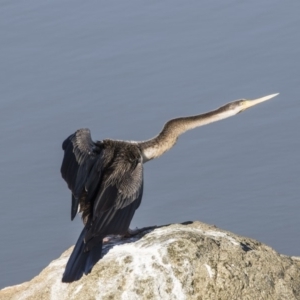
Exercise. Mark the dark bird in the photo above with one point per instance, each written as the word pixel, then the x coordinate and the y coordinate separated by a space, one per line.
pixel 106 180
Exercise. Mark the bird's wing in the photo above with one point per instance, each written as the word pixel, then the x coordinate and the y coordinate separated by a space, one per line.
pixel 82 165
pixel 119 196
pixel 120 187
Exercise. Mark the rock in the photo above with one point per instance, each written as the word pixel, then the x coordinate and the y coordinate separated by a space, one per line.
pixel 191 261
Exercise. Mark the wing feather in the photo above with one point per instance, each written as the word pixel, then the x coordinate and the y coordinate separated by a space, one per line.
pixel 81 154
pixel 116 202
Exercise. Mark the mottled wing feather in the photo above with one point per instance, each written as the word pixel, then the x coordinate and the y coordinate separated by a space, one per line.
pixel 116 203
pixel 130 187
pixel 113 221
pixel 119 189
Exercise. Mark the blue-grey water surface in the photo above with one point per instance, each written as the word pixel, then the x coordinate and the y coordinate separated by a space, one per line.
pixel 122 69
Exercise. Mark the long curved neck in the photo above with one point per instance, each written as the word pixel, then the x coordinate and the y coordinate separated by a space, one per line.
pixel 167 138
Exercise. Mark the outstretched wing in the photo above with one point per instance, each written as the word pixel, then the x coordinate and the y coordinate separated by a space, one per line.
pixel 106 177
pixel 82 166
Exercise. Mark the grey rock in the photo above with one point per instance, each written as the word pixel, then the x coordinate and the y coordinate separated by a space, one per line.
pixel 192 261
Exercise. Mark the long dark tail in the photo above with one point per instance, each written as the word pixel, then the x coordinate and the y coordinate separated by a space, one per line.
pixel 81 262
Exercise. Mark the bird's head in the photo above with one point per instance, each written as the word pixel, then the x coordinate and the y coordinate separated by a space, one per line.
pixel 235 107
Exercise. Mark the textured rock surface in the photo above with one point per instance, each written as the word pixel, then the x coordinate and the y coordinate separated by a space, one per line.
pixel 194 261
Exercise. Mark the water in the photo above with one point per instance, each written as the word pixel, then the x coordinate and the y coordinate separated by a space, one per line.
pixel 123 69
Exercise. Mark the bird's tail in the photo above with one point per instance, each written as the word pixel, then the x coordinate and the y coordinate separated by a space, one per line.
pixel 82 261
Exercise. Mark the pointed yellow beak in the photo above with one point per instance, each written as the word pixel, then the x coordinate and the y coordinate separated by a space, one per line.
pixel 249 103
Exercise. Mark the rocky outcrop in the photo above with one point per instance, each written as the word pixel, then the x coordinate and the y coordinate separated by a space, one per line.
pixel 191 261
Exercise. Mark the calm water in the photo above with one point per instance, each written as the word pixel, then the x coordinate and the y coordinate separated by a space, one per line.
pixel 123 69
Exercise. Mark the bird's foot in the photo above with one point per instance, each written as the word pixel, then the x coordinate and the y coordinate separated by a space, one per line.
pixel 107 239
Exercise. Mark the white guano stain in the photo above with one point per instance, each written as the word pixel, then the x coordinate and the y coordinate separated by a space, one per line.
pixel 210 271
pixel 222 234
pixel 144 261
pixel 77 289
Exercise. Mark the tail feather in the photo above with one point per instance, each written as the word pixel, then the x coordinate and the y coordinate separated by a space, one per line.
pixel 81 262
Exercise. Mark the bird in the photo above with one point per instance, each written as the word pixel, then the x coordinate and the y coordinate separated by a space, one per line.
pixel 106 180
